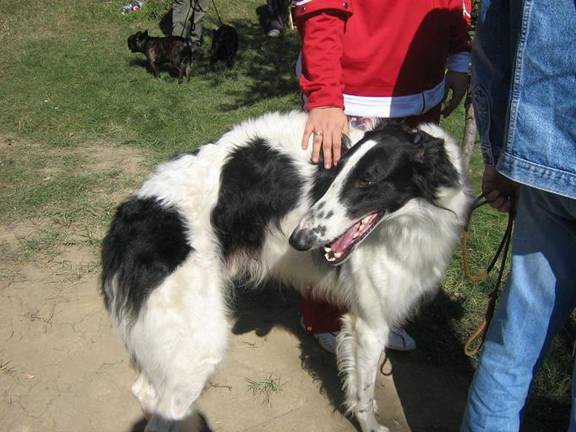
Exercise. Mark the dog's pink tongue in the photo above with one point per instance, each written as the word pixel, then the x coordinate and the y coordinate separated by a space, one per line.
pixel 342 242
pixel 358 229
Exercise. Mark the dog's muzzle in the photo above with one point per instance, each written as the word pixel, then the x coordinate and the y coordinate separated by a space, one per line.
pixel 303 239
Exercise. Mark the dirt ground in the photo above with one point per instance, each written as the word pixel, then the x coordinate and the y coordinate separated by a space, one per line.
pixel 63 369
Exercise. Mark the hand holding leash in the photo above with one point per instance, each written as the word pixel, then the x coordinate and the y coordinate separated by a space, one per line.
pixel 326 125
pixel 457 82
pixel 499 191
pixel 471 347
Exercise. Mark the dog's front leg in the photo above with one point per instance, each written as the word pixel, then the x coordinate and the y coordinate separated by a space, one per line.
pixel 364 344
pixel 155 69
pixel 153 63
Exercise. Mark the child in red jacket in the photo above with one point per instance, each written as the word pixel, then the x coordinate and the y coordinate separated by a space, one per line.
pixel 368 59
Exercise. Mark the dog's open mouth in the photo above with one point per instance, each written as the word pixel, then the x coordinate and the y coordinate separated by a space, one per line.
pixel 337 251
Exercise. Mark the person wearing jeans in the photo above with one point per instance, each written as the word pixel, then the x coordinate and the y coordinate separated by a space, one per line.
pixel 524 87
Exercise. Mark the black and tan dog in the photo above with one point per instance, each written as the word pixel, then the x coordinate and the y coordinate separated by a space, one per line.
pixel 172 49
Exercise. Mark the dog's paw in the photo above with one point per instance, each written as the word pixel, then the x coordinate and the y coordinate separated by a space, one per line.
pixel 368 423
pixel 379 428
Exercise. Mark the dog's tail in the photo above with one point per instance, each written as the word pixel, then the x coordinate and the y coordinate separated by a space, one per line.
pixel 145 244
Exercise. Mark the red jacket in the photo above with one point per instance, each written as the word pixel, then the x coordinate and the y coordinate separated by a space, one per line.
pixel 380 58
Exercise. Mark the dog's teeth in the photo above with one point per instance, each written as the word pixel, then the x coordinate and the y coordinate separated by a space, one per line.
pixel 338 255
pixel 356 234
pixel 327 249
pixel 331 258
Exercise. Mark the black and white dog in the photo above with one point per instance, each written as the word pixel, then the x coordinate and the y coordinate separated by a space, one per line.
pixel 374 235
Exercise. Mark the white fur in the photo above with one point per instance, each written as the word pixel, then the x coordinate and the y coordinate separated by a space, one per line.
pixel 180 335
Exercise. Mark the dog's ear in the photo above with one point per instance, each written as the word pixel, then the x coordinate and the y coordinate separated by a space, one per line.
pixel 432 165
pixel 427 149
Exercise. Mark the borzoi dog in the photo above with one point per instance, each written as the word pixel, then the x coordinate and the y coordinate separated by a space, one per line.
pixel 373 235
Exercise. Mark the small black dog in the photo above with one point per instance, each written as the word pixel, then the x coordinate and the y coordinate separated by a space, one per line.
pixel 224 45
pixel 173 49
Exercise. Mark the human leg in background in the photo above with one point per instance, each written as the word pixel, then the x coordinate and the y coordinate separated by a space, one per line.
pixel 200 10
pixel 277 14
pixel 537 301
pixel 187 17
pixel 181 14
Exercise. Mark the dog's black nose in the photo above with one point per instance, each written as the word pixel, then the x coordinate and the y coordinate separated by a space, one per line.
pixel 302 239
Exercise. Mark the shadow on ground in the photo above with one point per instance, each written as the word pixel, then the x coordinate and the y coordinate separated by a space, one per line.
pixel 262 309
pixel 197 423
pixel 268 64
pixel 432 382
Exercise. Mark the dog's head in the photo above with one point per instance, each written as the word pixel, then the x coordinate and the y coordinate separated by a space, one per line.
pixel 386 169
pixel 225 34
pixel 137 41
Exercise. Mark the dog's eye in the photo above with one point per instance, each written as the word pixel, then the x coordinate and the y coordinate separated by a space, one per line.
pixel 362 183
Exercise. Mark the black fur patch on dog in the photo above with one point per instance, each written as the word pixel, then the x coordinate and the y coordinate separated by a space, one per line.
pixel 324 177
pixel 145 244
pixel 322 181
pixel 224 45
pixel 258 186
pixel 406 163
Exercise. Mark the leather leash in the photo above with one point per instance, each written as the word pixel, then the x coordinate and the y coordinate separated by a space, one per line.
pixel 502 253
pixel 217 13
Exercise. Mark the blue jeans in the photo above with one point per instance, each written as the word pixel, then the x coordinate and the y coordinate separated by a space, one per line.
pixel 537 301
pixel 524 87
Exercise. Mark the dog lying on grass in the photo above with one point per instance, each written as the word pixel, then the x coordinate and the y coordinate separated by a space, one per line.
pixel 171 49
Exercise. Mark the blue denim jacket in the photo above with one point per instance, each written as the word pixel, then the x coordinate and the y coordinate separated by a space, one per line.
pixel 524 91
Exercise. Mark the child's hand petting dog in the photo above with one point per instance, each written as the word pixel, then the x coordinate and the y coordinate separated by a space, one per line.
pixel 326 125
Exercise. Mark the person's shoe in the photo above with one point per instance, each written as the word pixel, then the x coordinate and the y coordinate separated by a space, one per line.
pixel 274 33
pixel 327 341
pixel 400 340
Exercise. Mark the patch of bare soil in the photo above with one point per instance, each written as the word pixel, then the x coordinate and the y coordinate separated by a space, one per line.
pixel 61 366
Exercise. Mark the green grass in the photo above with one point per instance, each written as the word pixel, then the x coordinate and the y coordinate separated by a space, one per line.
pixel 75 79
pixel 69 81
pixel 265 388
